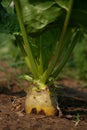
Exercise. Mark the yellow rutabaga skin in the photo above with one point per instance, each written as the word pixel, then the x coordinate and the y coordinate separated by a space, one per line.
pixel 41 101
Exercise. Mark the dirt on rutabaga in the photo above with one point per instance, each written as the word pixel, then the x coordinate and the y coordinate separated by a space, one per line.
pixel 72 98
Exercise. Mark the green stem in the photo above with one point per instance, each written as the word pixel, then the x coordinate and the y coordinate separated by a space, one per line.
pixel 30 59
pixel 67 53
pixel 41 57
pixel 59 46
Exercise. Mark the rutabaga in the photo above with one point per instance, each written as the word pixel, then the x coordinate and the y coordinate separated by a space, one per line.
pixel 50 29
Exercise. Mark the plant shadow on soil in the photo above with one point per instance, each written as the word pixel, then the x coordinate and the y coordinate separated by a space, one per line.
pixel 72 99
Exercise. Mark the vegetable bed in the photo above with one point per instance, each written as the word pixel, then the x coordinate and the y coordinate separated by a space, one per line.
pixel 73 103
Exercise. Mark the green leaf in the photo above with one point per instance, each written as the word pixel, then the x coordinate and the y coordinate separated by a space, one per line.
pixel 79 14
pixel 8 20
pixel 38 14
pixel 64 4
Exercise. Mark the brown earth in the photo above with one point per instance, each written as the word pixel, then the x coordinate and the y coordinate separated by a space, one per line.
pixel 72 98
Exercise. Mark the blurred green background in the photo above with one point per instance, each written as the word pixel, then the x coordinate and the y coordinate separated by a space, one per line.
pixel 76 66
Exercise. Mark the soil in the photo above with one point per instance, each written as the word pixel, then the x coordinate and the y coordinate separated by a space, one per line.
pixel 72 99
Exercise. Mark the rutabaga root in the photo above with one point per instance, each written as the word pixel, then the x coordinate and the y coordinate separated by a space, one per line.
pixel 42 101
